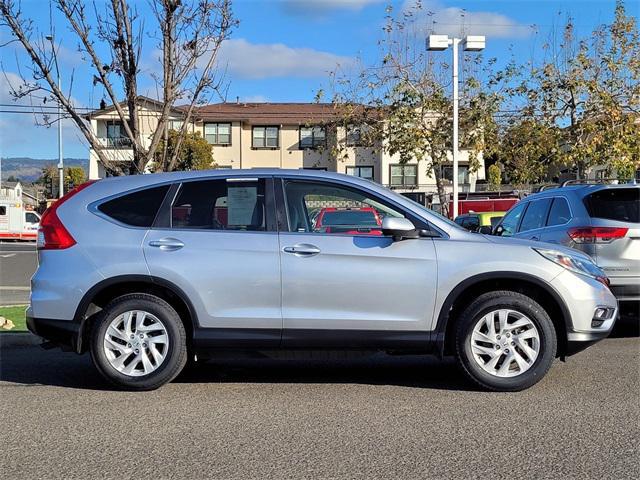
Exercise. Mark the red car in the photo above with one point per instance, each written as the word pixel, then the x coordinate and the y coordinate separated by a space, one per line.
pixel 351 221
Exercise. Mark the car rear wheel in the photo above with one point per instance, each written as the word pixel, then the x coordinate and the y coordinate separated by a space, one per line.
pixel 139 342
pixel 505 341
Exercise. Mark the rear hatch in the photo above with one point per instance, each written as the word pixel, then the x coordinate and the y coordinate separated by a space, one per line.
pixel 615 218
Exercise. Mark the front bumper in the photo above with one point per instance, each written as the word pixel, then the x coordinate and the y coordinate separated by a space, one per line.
pixel 583 295
pixel 60 332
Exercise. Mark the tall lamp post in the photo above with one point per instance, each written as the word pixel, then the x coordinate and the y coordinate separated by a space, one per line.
pixel 60 160
pixel 471 43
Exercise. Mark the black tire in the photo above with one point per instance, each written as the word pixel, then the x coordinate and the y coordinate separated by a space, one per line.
pixel 484 304
pixel 176 356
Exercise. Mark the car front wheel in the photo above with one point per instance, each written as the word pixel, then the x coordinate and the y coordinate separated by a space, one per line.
pixel 505 341
pixel 139 342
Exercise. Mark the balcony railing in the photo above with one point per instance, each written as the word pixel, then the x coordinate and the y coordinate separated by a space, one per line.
pixel 116 142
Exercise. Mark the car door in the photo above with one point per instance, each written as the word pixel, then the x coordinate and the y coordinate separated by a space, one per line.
pixel 216 241
pixel 351 286
pixel 558 221
pixel 534 219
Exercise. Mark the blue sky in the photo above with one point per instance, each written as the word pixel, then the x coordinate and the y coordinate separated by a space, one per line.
pixel 283 49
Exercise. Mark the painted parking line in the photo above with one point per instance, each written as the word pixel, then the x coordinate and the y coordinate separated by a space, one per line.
pixel 15 288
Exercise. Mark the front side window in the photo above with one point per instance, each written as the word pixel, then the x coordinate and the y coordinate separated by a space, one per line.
pixel 318 207
pixel 217 133
pixel 511 220
pixel 404 175
pixel 559 213
pixel 137 209
pixel 265 137
pixel 362 172
pixel 31 217
pixel 312 137
pixel 536 215
pixel 3 210
pixel 224 204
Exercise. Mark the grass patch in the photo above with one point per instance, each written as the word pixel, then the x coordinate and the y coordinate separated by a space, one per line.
pixel 17 316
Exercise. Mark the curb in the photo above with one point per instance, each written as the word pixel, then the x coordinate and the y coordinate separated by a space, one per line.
pixel 8 339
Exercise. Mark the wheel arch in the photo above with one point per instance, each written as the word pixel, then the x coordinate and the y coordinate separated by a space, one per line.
pixel 466 291
pixel 101 293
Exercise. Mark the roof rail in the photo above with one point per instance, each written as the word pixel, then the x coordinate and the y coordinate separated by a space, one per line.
pixel 591 181
pixel 548 186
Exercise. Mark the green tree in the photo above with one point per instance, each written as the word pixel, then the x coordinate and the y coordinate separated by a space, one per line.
pixel 495 176
pixel 194 154
pixel 74 176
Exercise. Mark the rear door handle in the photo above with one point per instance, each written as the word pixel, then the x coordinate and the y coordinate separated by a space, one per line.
pixel 302 250
pixel 167 244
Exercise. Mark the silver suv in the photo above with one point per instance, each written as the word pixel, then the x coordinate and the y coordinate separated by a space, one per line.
pixel 601 220
pixel 147 271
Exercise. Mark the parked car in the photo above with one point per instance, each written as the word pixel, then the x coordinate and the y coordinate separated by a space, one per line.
pixel 145 271
pixel 475 221
pixel 599 219
pixel 353 221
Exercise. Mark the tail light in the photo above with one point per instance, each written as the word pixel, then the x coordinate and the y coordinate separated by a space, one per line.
pixel 596 234
pixel 52 234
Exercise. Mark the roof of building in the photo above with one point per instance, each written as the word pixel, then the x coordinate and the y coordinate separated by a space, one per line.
pixel 270 113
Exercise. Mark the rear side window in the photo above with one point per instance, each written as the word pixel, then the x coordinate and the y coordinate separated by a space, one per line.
pixel 621 204
pixel 536 215
pixel 220 205
pixel 137 209
pixel 559 213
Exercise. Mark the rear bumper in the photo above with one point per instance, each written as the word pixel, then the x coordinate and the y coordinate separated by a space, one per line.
pixel 61 332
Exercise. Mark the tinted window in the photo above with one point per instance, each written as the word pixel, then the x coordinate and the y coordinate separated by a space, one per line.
pixel 560 213
pixel 536 215
pixel 137 209
pixel 348 211
pixel 622 204
pixel 220 205
pixel 3 210
pixel 31 217
pixel 495 221
pixel 511 219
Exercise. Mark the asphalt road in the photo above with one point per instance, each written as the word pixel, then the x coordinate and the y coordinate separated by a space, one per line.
pixel 377 417
pixel 18 261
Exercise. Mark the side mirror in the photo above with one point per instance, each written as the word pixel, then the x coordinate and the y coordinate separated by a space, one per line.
pixel 399 228
pixel 486 230
pixel 498 230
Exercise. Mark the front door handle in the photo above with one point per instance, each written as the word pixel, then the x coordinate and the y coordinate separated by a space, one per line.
pixel 534 238
pixel 303 250
pixel 167 244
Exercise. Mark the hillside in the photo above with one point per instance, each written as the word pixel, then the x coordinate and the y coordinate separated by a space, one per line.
pixel 29 169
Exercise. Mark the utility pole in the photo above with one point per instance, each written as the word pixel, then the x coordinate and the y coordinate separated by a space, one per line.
pixel 473 43
pixel 60 158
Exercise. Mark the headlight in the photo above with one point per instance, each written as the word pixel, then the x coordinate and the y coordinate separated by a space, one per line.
pixel 575 263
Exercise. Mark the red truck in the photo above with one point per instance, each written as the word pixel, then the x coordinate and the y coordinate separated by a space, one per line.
pixel 483 205
pixel 351 221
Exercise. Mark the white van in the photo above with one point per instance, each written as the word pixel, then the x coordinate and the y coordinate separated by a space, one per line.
pixel 16 223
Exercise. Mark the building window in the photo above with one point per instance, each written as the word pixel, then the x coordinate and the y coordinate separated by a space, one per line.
pixel 265 137
pixel 312 137
pixel 217 133
pixel 404 175
pixel 362 172
pixel 116 136
pixel 175 125
pixel 446 172
pixel 356 134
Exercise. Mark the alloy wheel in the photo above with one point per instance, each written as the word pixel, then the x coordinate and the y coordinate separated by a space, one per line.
pixel 136 343
pixel 505 343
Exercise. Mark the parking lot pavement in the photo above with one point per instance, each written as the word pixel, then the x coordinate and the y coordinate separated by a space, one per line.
pixel 18 262
pixel 398 417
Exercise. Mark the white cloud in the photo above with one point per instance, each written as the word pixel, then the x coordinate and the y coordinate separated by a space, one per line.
pixel 439 19
pixel 319 8
pixel 250 60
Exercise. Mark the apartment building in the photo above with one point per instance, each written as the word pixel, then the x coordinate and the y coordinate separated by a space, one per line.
pixel 281 135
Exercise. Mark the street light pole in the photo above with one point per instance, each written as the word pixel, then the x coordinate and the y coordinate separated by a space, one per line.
pixel 473 43
pixel 60 159
pixel 455 42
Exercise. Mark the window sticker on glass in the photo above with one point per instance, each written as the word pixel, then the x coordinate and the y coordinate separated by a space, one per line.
pixel 241 203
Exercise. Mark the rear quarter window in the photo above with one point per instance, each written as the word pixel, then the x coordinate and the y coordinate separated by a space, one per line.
pixel 137 209
pixel 620 204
